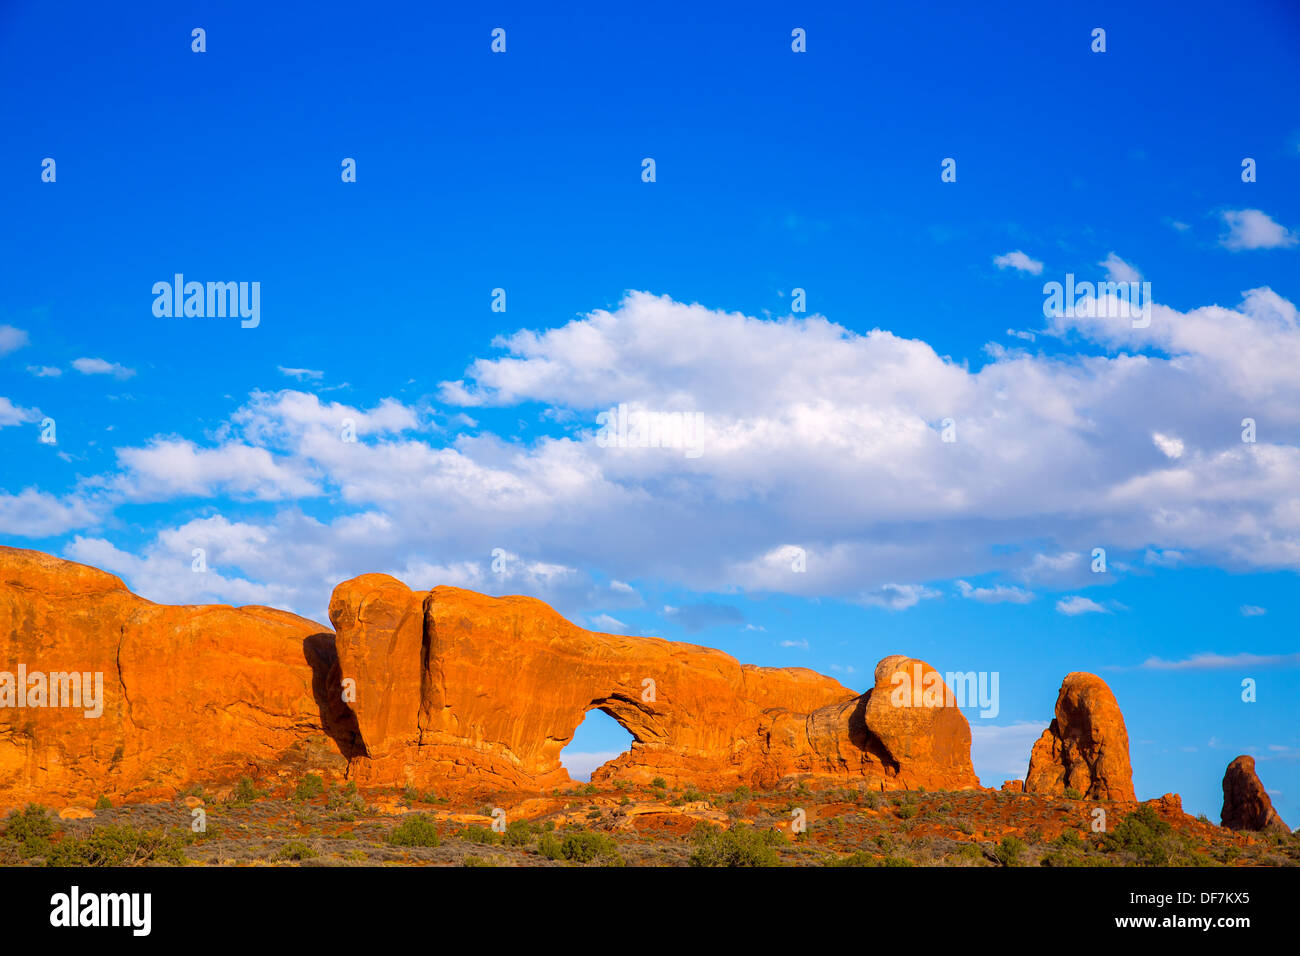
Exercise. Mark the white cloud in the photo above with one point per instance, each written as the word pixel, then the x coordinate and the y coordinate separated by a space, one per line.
pixel 37 514
pixel 11 414
pixel 1000 594
pixel 1019 261
pixel 11 339
pixel 897 597
pixel 1170 446
pixel 1077 604
pixel 301 374
pixel 1253 610
pixel 1253 229
pixel 822 450
pixel 1210 661
pixel 607 624
pixel 173 468
pixel 99 366
pixel 1117 270
pixel 45 371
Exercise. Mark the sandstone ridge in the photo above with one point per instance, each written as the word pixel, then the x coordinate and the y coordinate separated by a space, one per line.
pixel 439 688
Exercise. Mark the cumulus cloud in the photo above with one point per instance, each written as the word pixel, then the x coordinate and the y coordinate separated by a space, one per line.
pixel 1019 261
pixel 301 374
pixel 45 371
pixel 11 414
pixel 11 339
pixel 99 366
pixel 897 597
pixel 1076 604
pixel 1210 661
pixel 1117 270
pixel 1253 229
pixel 824 470
pixel 1253 610
pixel 1000 594
pixel 37 514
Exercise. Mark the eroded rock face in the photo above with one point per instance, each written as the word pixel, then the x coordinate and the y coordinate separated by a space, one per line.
pixel 1086 747
pixel 432 688
pixel 1246 805
pixel 189 694
pixel 451 683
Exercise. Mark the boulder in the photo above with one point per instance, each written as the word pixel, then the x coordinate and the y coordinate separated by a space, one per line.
pixel 1246 805
pixel 1086 746
pixel 163 696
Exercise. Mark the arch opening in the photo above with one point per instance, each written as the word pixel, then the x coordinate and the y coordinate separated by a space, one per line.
pixel 596 741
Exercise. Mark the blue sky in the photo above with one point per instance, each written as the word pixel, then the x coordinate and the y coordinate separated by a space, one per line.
pixel 775 170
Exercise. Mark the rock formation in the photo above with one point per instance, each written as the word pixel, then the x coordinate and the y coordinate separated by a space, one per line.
pixel 1246 805
pixel 450 683
pixel 433 688
pixel 1086 746
pixel 187 694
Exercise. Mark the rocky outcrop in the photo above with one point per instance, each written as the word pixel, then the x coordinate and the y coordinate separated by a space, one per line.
pixel 451 683
pixel 105 693
pixel 432 688
pixel 1086 747
pixel 1246 805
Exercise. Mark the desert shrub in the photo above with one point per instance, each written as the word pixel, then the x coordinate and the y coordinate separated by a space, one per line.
pixel 244 793
pixel 659 783
pixel 117 846
pixel 906 811
pixel 294 850
pixel 416 829
pixel 309 788
pixel 739 846
pixel 30 829
pixel 586 846
pixel 549 846
pixel 1072 794
pixel 1009 851
pixel 103 803
pixel 1144 835
pixel 519 833
pixel 477 834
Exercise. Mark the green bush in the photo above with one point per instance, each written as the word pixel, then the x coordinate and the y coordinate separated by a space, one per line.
pixel 416 829
pixel 309 788
pixel 659 783
pixel 244 793
pixel 550 847
pixel 1147 837
pixel 1009 851
pixel 294 850
pixel 103 803
pixel 739 846
pixel 477 834
pixel 30 828
pixel 519 833
pixel 1072 794
pixel 117 846
pixel 586 846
